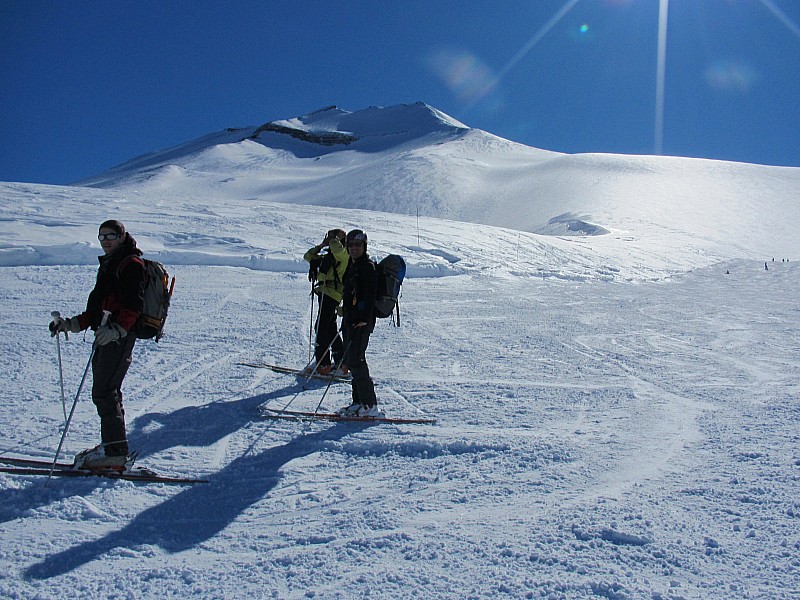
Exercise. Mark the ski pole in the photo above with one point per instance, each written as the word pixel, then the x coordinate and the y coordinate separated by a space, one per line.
pixel 106 314
pixel 330 381
pixel 318 362
pixel 311 326
pixel 57 315
pixel 310 375
pixel 315 370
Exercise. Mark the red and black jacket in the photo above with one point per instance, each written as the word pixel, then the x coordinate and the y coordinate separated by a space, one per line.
pixel 119 288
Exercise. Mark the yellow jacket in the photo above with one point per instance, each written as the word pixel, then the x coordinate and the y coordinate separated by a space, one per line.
pixel 330 277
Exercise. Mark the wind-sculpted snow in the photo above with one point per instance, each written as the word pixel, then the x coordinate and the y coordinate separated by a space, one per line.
pixel 570 224
pixel 83 254
pixel 268 236
pixel 417 449
pixel 78 253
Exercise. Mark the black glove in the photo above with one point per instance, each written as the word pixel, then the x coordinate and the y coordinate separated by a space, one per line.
pixel 56 326
pixel 59 325
pixel 313 269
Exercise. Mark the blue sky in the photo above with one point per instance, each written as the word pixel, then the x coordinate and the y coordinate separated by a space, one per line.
pixel 87 85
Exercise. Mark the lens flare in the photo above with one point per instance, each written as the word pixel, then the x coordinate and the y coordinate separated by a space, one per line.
pixel 464 73
pixel 731 76
pixel 470 79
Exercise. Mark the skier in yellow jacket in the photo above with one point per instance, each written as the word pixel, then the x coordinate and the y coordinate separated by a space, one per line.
pixel 327 271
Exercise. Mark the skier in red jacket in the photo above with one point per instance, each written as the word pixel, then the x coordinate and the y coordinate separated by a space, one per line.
pixel 119 290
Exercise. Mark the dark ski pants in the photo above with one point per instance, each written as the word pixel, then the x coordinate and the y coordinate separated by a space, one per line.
pixel 109 367
pixel 356 342
pixel 328 333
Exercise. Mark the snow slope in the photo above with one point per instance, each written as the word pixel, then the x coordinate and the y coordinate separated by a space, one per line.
pixel 615 375
pixel 413 159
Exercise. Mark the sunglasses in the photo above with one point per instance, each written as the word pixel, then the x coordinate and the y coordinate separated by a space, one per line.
pixel 108 236
pixel 355 243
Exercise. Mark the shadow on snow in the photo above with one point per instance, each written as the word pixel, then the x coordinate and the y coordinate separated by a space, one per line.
pixel 199 512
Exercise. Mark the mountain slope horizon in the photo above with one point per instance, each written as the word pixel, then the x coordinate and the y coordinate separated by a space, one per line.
pixel 312 135
pixel 413 159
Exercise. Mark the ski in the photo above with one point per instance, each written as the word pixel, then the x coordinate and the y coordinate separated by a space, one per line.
pixel 48 464
pixel 29 466
pixel 136 474
pixel 297 372
pixel 33 462
pixel 273 413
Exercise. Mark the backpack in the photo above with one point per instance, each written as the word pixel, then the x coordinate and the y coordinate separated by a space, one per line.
pixel 324 264
pixel 391 272
pixel 157 297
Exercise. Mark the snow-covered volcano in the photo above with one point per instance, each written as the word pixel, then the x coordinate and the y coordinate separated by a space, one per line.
pixel 415 160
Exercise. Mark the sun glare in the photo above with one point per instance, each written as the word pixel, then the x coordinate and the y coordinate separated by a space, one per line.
pixel 529 45
pixel 722 76
pixel 473 81
pixel 782 17
pixel 661 70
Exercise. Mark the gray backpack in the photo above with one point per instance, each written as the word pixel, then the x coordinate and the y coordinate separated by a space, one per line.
pixel 157 298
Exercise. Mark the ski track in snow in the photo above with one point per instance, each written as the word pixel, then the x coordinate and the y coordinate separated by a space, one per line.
pixel 594 439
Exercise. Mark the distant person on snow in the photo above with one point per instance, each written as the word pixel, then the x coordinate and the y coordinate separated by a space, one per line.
pixel 327 273
pixel 119 289
pixel 360 292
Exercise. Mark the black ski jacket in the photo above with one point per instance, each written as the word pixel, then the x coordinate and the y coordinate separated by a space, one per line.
pixel 360 292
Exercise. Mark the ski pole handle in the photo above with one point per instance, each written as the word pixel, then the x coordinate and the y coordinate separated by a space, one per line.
pixel 103 321
pixel 57 315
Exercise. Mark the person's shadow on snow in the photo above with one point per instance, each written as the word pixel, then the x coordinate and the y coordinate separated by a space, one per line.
pixel 193 426
pixel 200 426
pixel 201 511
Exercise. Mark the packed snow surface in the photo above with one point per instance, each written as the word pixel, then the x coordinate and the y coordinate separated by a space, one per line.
pixel 609 344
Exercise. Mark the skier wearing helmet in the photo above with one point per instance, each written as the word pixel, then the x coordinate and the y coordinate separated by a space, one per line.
pixel 360 292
